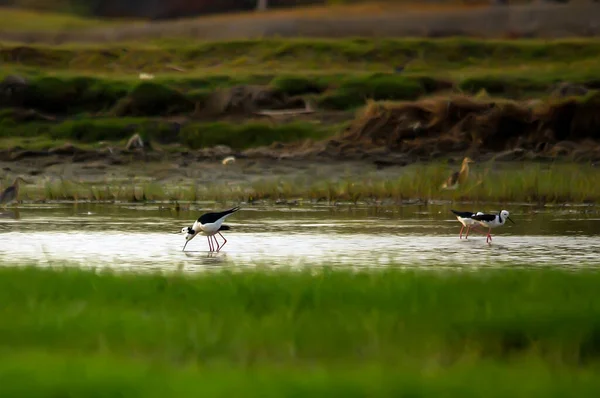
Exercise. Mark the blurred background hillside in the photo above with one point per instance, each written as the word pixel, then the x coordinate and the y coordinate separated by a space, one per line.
pixel 164 9
pixel 62 21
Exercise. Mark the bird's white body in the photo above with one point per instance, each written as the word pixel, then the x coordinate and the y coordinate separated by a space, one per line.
pixel 213 222
pixel 498 221
pixel 492 221
pixel 208 229
pixel 203 229
pixel 467 221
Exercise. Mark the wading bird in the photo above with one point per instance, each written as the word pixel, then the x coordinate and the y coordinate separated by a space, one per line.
pixel 209 225
pixel 464 217
pixel 458 177
pixel 11 193
pixel 492 221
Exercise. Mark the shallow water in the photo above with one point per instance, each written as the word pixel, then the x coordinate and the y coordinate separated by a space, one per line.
pixel 144 237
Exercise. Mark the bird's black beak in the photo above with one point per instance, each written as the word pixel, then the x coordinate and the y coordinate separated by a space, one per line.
pixel 511 220
pixel 186 242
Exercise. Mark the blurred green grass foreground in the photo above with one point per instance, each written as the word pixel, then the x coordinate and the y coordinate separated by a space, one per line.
pixel 318 332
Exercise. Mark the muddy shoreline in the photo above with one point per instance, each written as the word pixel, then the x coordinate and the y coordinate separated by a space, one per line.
pixel 206 166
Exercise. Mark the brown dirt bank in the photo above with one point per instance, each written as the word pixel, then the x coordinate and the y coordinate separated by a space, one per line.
pixel 404 132
pixel 536 20
pixel 436 127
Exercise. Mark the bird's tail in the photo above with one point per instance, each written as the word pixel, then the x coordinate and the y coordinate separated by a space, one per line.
pixel 455 212
pixel 230 211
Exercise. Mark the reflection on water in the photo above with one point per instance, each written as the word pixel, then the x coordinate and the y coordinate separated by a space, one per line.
pixel 142 237
pixel 10 214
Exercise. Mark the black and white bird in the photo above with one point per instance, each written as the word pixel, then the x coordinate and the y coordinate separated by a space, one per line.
pixel 465 218
pixel 492 221
pixel 209 224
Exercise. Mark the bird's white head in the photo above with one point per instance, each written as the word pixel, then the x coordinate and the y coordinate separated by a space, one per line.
pixel 505 215
pixel 189 232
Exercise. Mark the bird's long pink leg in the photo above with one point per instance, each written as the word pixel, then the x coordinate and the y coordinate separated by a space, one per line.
pixel 210 246
pixel 217 242
pixel 489 236
pixel 473 228
pixel 477 227
pixel 224 240
pixel 460 233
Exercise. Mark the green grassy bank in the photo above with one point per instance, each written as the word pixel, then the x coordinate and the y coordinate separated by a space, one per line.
pixel 305 54
pixel 378 332
pixel 89 93
pixel 43 375
pixel 81 95
pixel 86 133
pixel 339 74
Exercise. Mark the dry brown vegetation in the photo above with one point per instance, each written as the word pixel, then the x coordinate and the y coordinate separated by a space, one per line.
pixel 454 124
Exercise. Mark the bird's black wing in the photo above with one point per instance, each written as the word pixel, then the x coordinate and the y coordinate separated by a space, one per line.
pixel 210 218
pixel 484 217
pixel 224 228
pixel 463 214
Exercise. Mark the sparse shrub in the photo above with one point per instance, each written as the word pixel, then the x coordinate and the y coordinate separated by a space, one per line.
pixel 296 85
pixel 152 99
pixel 354 92
pixel 71 95
pixel 248 134
pixel 92 130
pixel 499 85
pixel 199 95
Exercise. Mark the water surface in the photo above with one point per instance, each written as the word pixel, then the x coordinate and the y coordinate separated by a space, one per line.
pixel 143 237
